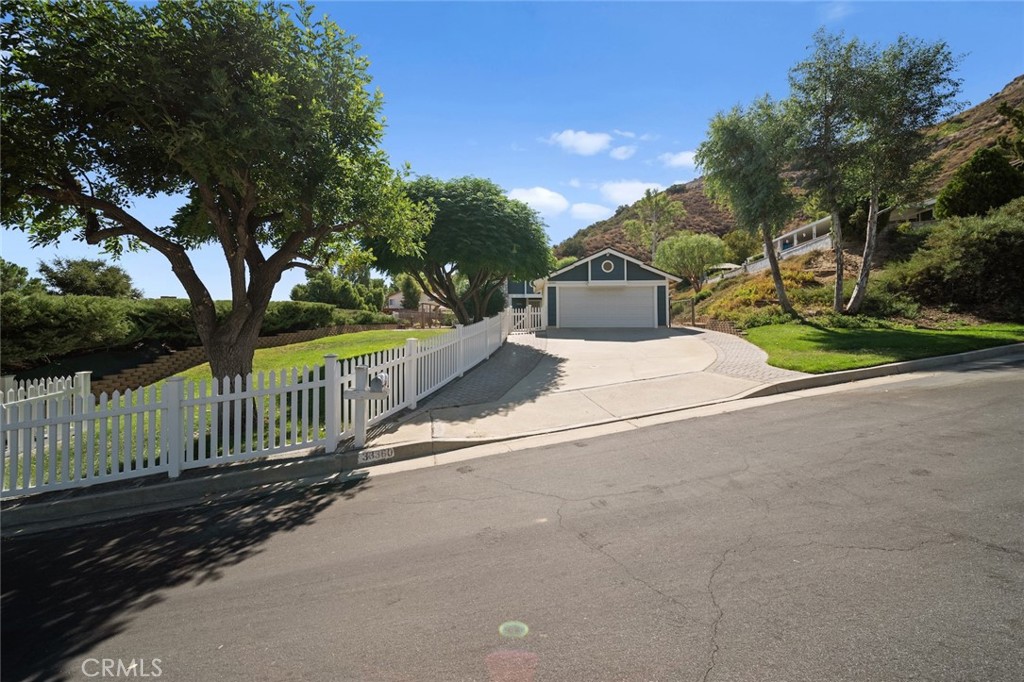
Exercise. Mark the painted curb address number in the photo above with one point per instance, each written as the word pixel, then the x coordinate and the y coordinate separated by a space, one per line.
pixel 374 456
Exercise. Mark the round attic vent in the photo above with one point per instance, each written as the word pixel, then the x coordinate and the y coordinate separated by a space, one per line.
pixel 607 266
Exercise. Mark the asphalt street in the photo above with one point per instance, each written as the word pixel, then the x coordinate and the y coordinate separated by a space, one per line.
pixel 874 533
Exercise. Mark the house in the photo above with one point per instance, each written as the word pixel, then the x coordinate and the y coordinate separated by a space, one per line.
pixel 521 294
pixel 605 289
pixel 817 235
pixel 393 302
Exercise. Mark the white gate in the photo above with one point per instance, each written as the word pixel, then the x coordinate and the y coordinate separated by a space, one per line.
pixel 527 320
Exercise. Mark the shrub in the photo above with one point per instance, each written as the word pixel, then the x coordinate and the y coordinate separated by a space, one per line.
pixel 970 262
pixel 762 317
pixel 292 316
pixel 903 240
pixel 986 181
pixel 40 327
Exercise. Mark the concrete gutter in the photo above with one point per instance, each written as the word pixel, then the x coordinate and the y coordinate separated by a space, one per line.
pixel 22 516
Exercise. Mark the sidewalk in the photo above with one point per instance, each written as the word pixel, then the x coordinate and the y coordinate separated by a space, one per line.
pixel 550 382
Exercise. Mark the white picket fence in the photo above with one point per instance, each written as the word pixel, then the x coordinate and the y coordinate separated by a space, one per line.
pixel 67 439
pixel 37 391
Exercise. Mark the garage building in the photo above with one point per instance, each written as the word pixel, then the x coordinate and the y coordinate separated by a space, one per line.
pixel 606 289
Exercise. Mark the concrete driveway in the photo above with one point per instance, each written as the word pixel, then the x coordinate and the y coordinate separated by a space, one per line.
pixel 566 378
pixel 602 357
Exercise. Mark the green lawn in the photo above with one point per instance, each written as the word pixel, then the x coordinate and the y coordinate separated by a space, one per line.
pixel 312 353
pixel 807 348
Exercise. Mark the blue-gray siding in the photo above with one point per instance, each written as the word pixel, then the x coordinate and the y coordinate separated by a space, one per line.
pixel 636 273
pixel 617 273
pixel 662 305
pixel 575 274
pixel 552 307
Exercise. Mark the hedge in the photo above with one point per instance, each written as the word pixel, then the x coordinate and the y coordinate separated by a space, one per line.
pixel 40 328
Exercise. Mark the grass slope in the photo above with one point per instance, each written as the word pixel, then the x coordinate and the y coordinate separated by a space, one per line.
pixel 814 349
pixel 312 353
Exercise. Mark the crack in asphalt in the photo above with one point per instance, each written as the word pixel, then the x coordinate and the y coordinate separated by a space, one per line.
pixel 714 602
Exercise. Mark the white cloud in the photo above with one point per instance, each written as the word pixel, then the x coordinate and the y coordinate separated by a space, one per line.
pixel 627 191
pixel 541 199
pixel 623 153
pixel 581 142
pixel 575 183
pixel 835 11
pixel 646 137
pixel 624 133
pixel 584 211
pixel 679 159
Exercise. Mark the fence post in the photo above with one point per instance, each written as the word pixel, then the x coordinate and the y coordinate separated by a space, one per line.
pixel 332 401
pixel 359 417
pixel 83 384
pixel 7 383
pixel 459 329
pixel 173 392
pixel 412 372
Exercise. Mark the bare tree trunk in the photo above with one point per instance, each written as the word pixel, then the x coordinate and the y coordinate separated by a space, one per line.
pixel 860 290
pixel 837 247
pixel 773 262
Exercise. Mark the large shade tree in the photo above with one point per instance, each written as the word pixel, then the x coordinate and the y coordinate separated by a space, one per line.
pixel 258 115
pixel 743 159
pixel 823 89
pixel 479 238
pixel 861 114
pixel 903 90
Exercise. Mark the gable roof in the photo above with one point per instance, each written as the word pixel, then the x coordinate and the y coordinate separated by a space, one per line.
pixel 615 252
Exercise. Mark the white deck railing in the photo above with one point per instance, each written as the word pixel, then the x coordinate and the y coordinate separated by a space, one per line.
pixel 67 439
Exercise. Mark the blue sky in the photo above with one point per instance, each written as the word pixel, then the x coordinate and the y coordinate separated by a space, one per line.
pixel 576 107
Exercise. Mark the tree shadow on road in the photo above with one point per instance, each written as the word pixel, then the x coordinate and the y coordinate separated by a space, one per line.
pixel 66 592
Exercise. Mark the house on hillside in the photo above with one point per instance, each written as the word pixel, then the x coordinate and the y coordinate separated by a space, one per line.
pixel 817 235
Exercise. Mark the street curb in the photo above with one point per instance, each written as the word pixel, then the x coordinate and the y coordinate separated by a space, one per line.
pixel 273 475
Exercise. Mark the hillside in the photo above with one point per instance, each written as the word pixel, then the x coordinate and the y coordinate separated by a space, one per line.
pixel 701 216
pixel 955 141
pixel 963 134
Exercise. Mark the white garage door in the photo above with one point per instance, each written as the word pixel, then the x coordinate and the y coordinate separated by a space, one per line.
pixel 607 307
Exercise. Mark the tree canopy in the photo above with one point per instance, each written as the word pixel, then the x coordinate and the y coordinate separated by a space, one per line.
pixel 259 115
pixel 333 287
pixel 410 291
pixel 690 255
pixel 478 234
pixel 87 277
pixel 14 279
pixel 743 159
pixel 860 112
pixel 657 218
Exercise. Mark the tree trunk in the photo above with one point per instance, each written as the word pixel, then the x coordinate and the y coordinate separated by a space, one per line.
pixel 837 247
pixel 773 262
pixel 860 290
